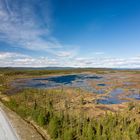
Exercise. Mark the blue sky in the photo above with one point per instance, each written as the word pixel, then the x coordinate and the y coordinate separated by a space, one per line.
pixel 79 33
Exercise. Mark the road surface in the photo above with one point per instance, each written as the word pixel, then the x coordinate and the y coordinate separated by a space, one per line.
pixel 6 130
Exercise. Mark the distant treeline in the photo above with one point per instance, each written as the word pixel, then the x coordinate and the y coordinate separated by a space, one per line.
pixel 16 71
pixel 44 71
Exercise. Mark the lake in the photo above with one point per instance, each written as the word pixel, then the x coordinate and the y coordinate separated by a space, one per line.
pixel 76 81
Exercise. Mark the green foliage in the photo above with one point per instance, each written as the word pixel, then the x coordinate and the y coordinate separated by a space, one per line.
pixel 41 119
pixel 54 127
pixel 131 106
pixel 64 126
pixel 13 103
pixel 82 101
pixel 69 134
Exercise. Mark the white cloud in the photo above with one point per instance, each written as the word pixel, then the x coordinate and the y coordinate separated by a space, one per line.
pixel 21 28
pixel 23 31
pixel 99 53
pixel 9 55
pixel 108 62
pixel 66 54
pixel 21 60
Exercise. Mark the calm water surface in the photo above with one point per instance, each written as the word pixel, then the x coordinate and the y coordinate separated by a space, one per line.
pixel 76 81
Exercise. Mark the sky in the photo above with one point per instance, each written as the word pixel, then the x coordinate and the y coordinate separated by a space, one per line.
pixel 70 33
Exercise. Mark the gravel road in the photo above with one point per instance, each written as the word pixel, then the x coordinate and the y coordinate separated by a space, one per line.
pixel 6 130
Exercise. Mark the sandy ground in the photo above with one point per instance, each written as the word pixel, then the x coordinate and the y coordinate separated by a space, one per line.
pixel 24 130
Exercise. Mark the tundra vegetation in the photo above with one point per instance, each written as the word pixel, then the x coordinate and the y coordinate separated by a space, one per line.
pixel 53 110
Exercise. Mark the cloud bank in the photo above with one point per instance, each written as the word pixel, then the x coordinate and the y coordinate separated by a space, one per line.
pixel 20 60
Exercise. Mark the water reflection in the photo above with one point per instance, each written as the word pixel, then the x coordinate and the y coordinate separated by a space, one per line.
pixel 77 81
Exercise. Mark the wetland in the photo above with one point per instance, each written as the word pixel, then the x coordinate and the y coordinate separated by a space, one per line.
pixel 80 104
